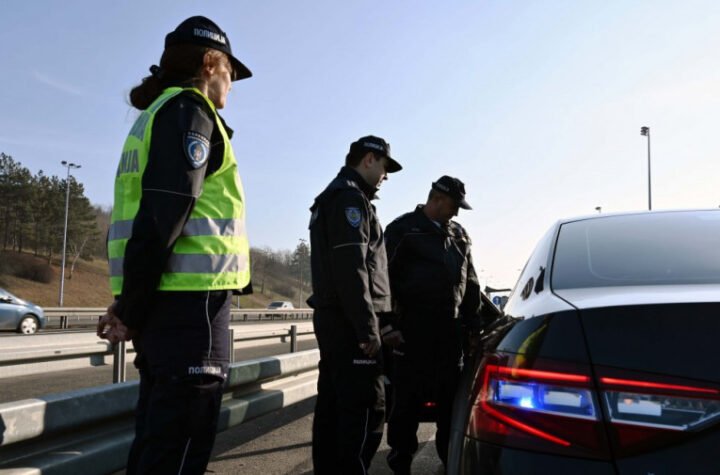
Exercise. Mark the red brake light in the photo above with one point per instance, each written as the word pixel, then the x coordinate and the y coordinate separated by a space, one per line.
pixel 546 409
pixel 555 407
pixel 647 414
pixel 524 427
pixel 658 386
pixel 542 375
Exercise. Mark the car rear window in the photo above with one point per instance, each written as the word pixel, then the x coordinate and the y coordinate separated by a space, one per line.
pixel 671 248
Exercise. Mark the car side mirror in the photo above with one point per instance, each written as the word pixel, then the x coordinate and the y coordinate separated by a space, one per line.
pixel 6 299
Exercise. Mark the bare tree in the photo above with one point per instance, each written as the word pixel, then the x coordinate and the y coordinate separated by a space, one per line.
pixel 76 252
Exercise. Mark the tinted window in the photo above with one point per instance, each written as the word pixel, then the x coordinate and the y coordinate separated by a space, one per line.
pixel 532 275
pixel 651 249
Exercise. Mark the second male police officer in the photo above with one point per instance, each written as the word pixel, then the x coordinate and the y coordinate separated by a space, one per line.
pixel 436 295
pixel 350 292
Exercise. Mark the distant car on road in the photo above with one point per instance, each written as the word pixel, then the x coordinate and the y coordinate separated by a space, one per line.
pixel 606 358
pixel 20 315
pixel 280 305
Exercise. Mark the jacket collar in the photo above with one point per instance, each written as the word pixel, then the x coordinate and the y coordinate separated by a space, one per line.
pixel 351 174
pixel 424 221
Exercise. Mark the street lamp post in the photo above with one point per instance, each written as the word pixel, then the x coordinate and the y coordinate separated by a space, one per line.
pixel 67 209
pixel 645 131
pixel 301 263
pixel 598 209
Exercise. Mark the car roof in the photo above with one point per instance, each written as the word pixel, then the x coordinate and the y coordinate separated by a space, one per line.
pixel 633 213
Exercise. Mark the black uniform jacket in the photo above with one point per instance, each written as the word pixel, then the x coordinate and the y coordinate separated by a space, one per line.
pixel 431 269
pixel 171 186
pixel 349 264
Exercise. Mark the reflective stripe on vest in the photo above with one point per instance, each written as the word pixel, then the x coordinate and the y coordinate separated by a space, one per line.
pixel 212 252
pixel 193 264
pixel 194 227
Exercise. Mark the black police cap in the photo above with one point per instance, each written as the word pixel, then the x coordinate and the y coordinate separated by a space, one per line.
pixel 452 187
pixel 371 143
pixel 202 31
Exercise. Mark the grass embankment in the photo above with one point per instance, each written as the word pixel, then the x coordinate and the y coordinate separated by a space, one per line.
pixel 89 285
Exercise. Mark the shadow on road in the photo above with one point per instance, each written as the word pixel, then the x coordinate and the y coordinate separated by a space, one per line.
pixel 265 451
pixel 259 427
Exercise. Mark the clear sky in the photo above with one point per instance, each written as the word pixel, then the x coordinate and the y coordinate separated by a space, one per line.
pixel 536 106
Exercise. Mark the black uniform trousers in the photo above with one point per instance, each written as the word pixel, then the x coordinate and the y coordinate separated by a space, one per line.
pixel 425 369
pixel 182 356
pixel 350 408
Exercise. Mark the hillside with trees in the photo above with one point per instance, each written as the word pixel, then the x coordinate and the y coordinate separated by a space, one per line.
pixel 32 215
pixel 32 219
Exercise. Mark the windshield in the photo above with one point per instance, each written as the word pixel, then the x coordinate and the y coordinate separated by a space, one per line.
pixel 275 305
pixel 5 293
pixel 652 249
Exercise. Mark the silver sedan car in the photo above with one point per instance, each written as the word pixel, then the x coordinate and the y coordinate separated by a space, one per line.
pixel 20 315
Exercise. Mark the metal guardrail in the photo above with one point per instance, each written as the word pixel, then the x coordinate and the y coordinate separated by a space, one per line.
pixel 63 317
pixel 90 431
pixel 100 349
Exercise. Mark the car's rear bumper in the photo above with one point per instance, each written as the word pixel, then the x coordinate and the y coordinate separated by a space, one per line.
pixel 481 458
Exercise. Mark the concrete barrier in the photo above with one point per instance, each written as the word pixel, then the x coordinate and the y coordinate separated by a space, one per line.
pixel 89 431
pixel 41 353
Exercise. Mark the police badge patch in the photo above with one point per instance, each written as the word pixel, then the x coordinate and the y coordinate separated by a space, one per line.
pixel 197 149
pixel 353 216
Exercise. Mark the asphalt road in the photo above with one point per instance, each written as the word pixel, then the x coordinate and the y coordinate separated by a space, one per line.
pixel 280 444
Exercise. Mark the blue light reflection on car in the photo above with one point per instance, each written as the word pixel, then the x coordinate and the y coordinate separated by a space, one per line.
pixel 527 403
pixel 543 397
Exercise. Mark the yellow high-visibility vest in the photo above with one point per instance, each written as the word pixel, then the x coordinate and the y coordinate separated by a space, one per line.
pixel 212 252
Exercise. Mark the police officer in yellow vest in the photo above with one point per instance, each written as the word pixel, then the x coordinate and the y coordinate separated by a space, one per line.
pixel 178 248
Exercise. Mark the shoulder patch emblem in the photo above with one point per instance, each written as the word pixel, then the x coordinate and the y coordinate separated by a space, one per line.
pixel 353 216
pixel 197 149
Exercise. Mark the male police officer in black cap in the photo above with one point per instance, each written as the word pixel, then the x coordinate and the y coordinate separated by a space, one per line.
pixel 350 293
pixel 436 296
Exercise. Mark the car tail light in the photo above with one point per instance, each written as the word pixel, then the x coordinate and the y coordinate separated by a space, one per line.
pixel 554 407
pixel 548 408
pixel 647 413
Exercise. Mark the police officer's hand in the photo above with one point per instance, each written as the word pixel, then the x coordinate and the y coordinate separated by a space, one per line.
pixel 119 332
pixel 474 343
pixel 107 321
pixel 393 338
pixel 371 347
pixel 111 328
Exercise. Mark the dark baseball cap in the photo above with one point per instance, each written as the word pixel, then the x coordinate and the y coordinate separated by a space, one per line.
pixel 370 143
pixel 452 187
pixel 202 31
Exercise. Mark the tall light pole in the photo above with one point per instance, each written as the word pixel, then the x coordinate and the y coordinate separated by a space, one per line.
pixel 301 263
pixel 598 209
pixel 67 209
pixel 646 132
